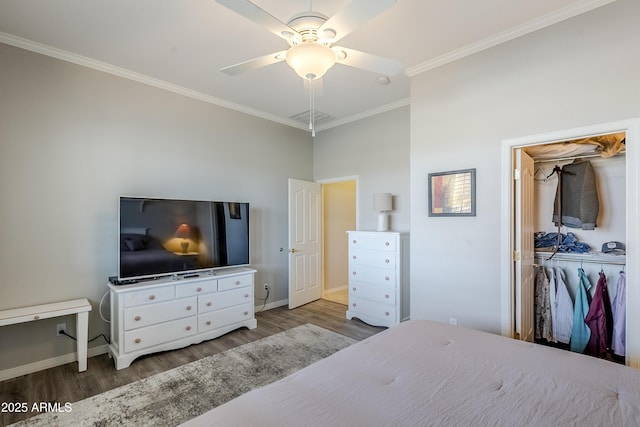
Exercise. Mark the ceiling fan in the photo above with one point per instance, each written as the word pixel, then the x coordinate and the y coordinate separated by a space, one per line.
pixel 311 36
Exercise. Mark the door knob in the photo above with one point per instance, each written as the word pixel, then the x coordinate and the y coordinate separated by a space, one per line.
pixel 293 250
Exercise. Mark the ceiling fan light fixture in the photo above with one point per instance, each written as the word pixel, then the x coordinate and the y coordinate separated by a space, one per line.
pixel 310 60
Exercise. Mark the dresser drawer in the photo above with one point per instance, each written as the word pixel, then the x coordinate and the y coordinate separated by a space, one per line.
pixel 376 276
pixel 224 299
pixel 371 308
pixel 224 317
pixel 375 242
pixel 196 288
pixel 381 294
pixel 373 258
pixel 149 296
pixel 150 314
pixel 235 282
pixel 138 339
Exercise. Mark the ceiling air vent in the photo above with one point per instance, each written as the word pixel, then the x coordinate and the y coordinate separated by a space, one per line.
pixel 318 116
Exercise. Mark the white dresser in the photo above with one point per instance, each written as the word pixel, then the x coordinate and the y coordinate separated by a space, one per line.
pixel 170 313
pixel 378 277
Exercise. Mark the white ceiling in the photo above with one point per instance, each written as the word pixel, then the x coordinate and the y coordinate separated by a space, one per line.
pixel 181 44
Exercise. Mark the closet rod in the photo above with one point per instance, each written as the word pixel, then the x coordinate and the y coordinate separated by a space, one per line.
pixel 587 156
pixel 585 259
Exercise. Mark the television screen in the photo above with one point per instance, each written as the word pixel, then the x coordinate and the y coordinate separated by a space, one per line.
pixel 160 237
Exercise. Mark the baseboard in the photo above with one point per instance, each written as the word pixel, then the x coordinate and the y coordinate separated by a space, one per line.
pixel 41 365
pixel 271 305
pixel 336 289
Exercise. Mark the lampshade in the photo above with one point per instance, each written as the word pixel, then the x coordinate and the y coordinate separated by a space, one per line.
pixel 382 202
pixel 183 232
pixel 310 60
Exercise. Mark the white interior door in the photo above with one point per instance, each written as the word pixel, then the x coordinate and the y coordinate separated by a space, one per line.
pixel 524 247
pixel 305 242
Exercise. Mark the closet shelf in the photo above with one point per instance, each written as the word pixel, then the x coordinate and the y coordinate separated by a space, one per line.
pixel 592 257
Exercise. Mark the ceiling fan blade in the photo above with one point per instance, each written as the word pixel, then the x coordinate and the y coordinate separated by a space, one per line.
pixel 254 64
pixel 352 16
pixel 367 61
pixel 254 13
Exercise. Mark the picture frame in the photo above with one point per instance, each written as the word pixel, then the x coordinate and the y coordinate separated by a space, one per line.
pixel 452 193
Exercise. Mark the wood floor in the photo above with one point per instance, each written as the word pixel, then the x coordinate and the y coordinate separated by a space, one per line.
pixel 65 384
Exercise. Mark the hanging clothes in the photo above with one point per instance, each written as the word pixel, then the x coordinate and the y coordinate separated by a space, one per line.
pixel 580 332
pixel 551 275
pixel 599 319
pixel 577 204
pixel 543 319
pixel 619 310
pixel 563 320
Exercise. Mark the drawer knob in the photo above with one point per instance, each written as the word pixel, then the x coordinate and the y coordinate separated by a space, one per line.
pixel 354 273
pixel 386 313
pixel 188 307
pixel 137 318
pixel 208 322
pixel 354 288
pixel 246 295
pixel 237 282
pixel 354 304
pixel 137 341
pixel 386 261
pixel 36 317
pixel 386 278
pixel 152 297
pixel 199 290
pixel 386 295
pixel 188 328
pixel 354 257
pixel 246 312
pixel 386 243
pixel 209 304
pixel 354 241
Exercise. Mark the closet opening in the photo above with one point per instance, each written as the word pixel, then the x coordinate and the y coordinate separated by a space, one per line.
pixel 579 207
pixel 532 170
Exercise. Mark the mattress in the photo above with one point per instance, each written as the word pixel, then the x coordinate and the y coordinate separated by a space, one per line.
pixel 431 374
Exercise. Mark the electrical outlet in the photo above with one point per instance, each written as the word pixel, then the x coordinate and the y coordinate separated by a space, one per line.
pixel 266 286
pixel 61 327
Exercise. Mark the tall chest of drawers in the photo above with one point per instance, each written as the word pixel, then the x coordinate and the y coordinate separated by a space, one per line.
pixel 171 313
pixel 378 277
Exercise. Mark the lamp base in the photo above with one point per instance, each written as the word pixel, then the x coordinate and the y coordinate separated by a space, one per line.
pixel 383 221
pixel 184 246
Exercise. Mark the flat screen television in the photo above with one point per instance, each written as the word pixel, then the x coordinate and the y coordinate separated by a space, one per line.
pixel 162 237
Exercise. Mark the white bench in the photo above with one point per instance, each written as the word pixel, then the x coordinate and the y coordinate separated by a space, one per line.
pixel 79 307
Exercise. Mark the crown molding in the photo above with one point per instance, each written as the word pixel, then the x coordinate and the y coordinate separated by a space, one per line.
pixel 505 36
pixel 378 110
pixel 84 61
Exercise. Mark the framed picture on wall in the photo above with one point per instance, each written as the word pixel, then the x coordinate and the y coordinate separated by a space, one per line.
pixel 452 193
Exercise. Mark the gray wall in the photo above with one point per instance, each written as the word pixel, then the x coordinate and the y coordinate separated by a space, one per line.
pixel 73 140
pixel 376 150
pixel 580 72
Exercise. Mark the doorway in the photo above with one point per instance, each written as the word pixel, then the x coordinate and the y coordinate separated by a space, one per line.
pixel 511 305
pixel 339 206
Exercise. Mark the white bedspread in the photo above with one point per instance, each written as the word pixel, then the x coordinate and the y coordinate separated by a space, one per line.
pixel 431 374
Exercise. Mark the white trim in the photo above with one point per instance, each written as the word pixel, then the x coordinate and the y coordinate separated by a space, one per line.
pixel 505 36
pixel 632 184
pixel 94 64
pixel 41 365
pixel 271 305
pixel 369 113
pixel 355 178
pixel 85 61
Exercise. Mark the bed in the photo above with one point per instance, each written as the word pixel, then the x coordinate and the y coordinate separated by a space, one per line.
pixel 426 373
pixel 142 255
